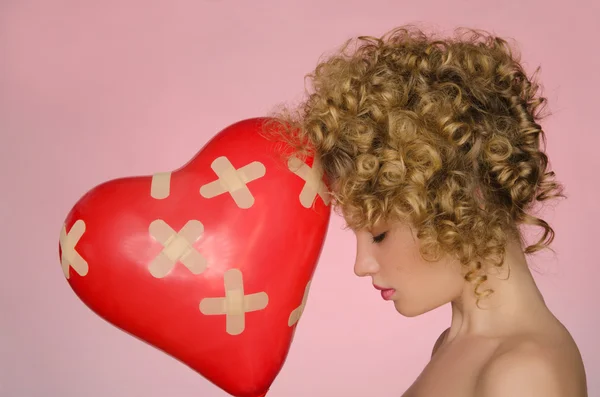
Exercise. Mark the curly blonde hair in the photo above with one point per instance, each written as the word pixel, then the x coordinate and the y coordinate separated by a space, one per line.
pixel 442 133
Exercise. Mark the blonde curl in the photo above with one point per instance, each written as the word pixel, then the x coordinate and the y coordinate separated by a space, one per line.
pixel 443 133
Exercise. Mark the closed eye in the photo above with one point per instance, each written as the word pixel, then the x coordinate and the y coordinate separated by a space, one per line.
pixel 379 238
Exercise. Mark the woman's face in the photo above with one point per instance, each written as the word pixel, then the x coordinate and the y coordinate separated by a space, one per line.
pixel 389 254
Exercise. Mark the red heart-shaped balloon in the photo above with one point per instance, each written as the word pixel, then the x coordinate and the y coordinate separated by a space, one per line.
pixel 210 263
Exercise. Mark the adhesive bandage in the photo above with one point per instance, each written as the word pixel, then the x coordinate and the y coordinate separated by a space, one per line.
pixel 313 178
pixel 297 312
pixel 69 255
pixel 178 247
pixel 160 187
pixel 235 304
pixel 233 181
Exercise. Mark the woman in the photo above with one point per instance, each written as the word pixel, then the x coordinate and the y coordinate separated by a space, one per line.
pixel 431 147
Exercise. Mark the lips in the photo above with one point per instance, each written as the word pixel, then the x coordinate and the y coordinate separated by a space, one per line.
pixel 386 293
pixel 377 287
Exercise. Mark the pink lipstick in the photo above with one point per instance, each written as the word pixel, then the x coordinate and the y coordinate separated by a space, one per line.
pixel 386 293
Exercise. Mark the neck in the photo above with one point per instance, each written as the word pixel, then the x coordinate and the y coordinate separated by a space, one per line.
pixel 515 304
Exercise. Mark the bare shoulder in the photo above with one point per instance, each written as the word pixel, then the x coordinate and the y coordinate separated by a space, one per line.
pixel 532 366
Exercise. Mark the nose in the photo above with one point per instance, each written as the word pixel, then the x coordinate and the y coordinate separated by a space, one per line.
pixel 365 265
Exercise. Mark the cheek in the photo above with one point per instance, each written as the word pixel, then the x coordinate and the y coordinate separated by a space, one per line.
pixel 431 284
pixel 402 266
pixel 408 264
pixel 398 258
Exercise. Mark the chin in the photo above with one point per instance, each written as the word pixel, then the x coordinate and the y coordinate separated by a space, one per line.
pixel 408 310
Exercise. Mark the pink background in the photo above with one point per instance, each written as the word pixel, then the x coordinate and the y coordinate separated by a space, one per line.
pixel 94 90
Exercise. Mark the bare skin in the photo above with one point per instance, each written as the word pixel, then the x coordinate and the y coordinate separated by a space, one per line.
pixel 511 345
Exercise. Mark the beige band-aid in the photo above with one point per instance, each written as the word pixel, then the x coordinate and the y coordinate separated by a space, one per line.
pixel 235 304
pixel 177 248
pixel 297 312
pixel 160 187
pixel 69 255
pixel 233 181
pixel 314 181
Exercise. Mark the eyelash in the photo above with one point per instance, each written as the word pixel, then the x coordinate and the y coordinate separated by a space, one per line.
pixel 379 238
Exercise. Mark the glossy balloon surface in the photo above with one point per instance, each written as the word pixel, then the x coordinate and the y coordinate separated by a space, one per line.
pixel 150 280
